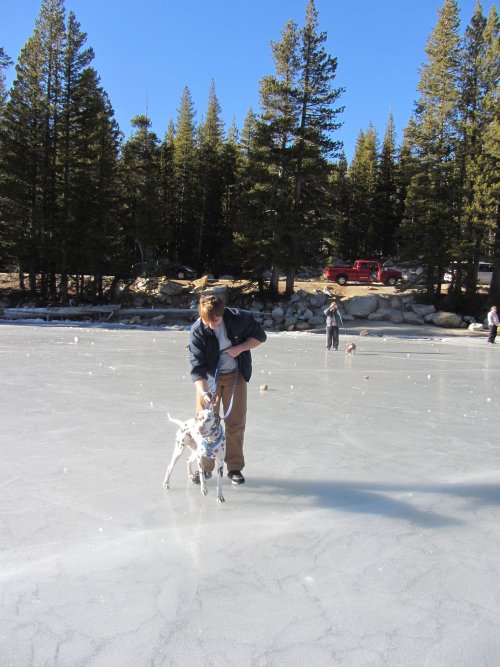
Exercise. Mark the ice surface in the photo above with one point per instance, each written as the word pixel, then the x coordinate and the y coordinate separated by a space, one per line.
pixel 368 533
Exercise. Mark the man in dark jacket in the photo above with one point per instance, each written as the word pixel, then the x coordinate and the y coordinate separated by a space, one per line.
pixel 221 365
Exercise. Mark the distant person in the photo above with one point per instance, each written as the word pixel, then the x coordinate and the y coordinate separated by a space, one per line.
pixel 221 365
pixel 492 324
pixel 332 326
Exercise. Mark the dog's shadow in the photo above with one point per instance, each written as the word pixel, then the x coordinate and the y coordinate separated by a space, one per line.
pixel 379 498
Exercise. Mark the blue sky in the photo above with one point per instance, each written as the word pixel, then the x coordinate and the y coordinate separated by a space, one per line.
pixel 147 52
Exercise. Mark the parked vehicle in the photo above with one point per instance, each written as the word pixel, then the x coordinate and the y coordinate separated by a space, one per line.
pixel 363 271
pixel 484 273
pixel 164 267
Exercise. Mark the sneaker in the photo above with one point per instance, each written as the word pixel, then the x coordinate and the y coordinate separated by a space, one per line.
pixel 236 477
pixel 196 477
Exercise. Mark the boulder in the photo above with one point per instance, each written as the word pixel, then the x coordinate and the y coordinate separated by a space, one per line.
pixel 302 325
pixel 317 300
pixel 397 317
pixel 278 313
pixel 201 283
pixel 422 309
pixel 412 318
pixel 361 306
pixel 396 303
pixel 379 315
pixel 384 314
pixel 170 287
pixel 220 291
pixel 446 319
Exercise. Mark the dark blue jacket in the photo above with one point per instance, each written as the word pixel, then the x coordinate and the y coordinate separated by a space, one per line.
pixel 204 346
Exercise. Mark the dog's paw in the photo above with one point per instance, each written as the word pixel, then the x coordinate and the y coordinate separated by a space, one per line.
pixel 166 485
pixel 204 491
pixel 221 499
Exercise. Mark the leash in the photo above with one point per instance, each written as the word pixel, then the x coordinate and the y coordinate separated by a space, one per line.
pixel 216 380
pixel 342 322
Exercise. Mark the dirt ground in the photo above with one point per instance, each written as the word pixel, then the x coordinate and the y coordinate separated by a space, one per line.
pixel 9 287
pixel 347 291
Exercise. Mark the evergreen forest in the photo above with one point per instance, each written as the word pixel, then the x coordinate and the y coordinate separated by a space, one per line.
pixel 78 200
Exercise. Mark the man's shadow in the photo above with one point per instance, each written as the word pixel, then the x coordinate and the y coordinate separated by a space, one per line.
pixel 379 497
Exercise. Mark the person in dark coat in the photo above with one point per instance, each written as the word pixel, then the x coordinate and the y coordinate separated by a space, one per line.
pixel 221 366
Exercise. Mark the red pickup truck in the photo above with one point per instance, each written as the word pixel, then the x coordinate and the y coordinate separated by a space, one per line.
pixel 362 271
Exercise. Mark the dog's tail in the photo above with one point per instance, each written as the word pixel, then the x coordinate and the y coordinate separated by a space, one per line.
pixel 176 421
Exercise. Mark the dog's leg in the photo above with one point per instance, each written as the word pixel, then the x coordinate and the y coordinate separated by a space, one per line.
pixel 203 481
pixel 219 466
pixel 192 459
pixel 177 453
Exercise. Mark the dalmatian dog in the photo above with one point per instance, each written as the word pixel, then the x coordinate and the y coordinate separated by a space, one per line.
pixel 205 437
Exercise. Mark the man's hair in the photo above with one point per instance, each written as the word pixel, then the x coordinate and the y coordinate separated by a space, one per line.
pixel 210 307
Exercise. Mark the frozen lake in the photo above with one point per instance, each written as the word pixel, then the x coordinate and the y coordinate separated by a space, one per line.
pixel 367 534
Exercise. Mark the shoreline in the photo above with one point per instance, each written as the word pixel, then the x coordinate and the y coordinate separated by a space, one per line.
pixel 379 329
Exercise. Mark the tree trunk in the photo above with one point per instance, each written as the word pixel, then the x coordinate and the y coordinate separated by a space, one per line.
pixel 274 283
pixel 63 288
pixel 290 282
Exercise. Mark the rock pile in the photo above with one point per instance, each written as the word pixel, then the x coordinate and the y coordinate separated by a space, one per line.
pixel 306 311
pixel 159 300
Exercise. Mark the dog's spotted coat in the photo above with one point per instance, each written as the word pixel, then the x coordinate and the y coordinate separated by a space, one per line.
pixel 205 437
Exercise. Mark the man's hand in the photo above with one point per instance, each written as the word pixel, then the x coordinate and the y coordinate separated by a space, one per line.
pixel 249 344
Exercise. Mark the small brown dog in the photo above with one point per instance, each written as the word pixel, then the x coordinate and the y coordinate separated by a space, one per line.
pixel 351 348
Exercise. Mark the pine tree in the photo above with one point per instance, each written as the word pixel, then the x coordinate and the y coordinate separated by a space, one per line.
pixel 186 181
pixel 167 192
pixel 431 206
pixel 5 62
pixel 75 60
pixel 30 137
pixel 387 204
pixel 274 144
pixel 338 236
pixel 210 145
pixel 252 233
pixel 6 250
pixel 364 233
pixel 231 169
pixel 406 169
pixel 96 241
pixel 314 144
pixel 140 178
pixel 481 128
pixel 59 142
pixel 293 141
